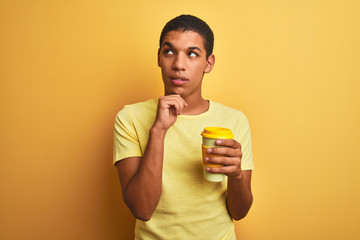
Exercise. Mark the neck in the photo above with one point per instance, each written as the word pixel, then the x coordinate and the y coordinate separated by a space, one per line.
pixel 195 105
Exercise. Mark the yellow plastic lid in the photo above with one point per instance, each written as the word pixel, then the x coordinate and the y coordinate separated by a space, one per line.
pixel 217 133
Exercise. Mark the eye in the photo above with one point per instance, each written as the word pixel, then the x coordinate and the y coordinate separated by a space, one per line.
pixel 169 52
pixel 193 54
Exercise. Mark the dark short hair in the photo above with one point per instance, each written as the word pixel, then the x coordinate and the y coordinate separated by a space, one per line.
pixel 191 23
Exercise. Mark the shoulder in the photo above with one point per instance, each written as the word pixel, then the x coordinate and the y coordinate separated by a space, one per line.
pixel 146 105
pixel 235 120
pixel 227 111
pixel 138 108
pixel 137 114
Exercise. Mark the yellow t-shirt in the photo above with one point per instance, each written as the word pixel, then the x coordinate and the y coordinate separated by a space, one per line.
pixel 190 207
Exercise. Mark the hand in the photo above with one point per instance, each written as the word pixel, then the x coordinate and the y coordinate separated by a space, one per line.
pixel 169 107
pixel 230 157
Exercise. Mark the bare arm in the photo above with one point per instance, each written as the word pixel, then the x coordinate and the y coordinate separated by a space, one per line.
pixel 141 177
pixel 239 196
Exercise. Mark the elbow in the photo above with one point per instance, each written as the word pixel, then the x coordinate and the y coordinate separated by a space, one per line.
pixel 241 213
pixel 240 216
pixel 142 215
pixel 141 211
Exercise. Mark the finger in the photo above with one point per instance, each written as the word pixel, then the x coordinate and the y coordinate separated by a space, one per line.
pixel 225 151
pixel 175 101
pixel 179 106
pixel 221 160
pixel 173 111
pixel 170 103
pixel 228 170
pixel 228 143
pixel 182 103
pixel 179 98
pixel 176 106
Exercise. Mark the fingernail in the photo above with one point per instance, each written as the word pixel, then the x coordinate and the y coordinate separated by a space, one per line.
pixel 209 150
pixel 218 141
pixel 206 159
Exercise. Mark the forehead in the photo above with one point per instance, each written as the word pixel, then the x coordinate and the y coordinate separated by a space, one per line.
pixel 180 39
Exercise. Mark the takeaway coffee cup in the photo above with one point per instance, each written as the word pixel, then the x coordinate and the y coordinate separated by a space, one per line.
pixel 209 136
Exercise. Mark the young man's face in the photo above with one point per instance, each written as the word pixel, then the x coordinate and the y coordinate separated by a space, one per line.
pixel 182 59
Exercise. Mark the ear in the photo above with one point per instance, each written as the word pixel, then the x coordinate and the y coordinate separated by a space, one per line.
pixel 158 57
pixel 210 63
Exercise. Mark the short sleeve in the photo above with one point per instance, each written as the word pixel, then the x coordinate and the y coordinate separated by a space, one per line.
pixel 246 147
pixel 126 142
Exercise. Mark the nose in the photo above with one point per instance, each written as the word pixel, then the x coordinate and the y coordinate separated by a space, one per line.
pixel 179 62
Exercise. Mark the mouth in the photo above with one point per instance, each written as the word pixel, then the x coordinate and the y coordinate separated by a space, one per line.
pixel 177 80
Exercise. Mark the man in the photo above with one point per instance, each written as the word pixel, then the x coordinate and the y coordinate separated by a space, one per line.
pixel 157 147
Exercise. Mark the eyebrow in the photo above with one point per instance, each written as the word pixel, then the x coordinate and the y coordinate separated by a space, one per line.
pixel 190 48
pixel 195 48
pixel 167 44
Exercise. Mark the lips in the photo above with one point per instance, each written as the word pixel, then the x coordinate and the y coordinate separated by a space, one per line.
pixel 178 80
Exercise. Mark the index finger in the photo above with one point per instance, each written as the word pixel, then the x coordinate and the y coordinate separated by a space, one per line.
pixel 180 99
pixel 175 101
pixel 176 97
pixel 228 143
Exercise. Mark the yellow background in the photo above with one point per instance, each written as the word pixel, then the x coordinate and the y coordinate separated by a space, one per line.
pixel 67 67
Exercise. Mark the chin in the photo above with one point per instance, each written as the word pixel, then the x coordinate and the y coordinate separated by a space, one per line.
pixel 173 92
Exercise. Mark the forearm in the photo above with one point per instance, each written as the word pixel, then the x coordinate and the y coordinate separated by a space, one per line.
pixel 239 196
pixel 143 192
